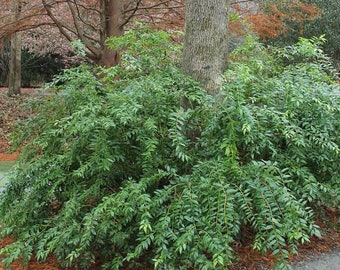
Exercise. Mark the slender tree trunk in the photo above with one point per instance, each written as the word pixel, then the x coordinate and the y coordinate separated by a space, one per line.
pixel 112 19
pixel 14 80
pixel 205 44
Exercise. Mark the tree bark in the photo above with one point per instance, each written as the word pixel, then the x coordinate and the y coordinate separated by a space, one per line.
pixel 14 80
pixel 112 26
pixel 205 50
pixel 111 14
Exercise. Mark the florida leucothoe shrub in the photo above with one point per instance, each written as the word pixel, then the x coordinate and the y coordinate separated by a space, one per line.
pixel 115 170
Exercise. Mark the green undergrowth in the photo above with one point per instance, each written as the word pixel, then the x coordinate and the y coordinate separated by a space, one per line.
pixel 116 170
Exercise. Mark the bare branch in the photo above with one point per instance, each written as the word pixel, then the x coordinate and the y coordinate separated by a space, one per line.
pixel 133 12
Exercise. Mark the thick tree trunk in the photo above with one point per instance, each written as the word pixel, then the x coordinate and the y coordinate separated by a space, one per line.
pixel 112 25
pixel 205 44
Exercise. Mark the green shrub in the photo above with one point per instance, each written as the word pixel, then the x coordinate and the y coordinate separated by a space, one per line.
pixel 116 170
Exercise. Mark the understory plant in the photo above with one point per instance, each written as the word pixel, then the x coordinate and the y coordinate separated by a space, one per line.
pixel 118 170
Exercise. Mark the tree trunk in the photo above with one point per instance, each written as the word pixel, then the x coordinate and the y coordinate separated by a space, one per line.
pixel 205 44
pixel 14 81
pixel 112 26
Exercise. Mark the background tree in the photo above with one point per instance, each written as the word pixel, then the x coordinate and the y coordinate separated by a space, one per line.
pixel 48 26
pixel 92 22
pixel 14 76
pixel 14 81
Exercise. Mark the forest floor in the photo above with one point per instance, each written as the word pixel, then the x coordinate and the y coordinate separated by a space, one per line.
pixel 320 253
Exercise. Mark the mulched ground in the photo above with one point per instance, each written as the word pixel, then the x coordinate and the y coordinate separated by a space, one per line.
pixel 13 109
pixel 50 263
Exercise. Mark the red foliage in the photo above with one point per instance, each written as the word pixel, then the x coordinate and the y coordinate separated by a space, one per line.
pixel 270 22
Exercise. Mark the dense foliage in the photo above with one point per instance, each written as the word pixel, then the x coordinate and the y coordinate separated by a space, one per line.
pixel 136 164
pixel 36 70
